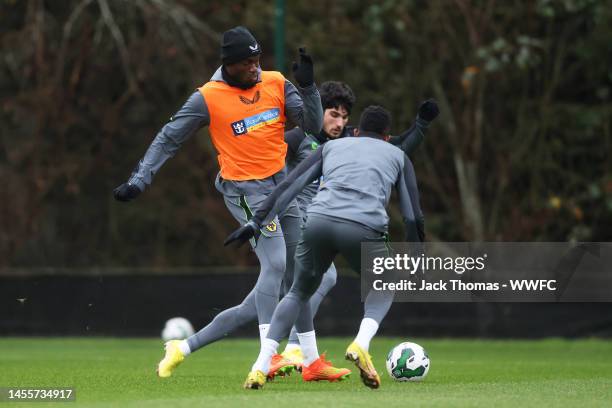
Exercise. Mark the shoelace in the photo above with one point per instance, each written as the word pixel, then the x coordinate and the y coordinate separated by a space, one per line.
pixel 326 363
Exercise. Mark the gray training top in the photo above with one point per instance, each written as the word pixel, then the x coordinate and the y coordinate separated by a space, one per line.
pixel 301 145
pixel 302 108
pixel 357 174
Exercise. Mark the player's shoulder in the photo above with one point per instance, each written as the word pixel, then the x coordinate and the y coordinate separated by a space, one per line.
pixel 311 142
pixel 395 151
pixel 296 132
pixel 338 142
pixel 342 144
pixel 380 146
pixel 274 76
pixel 215 81
pixel 294 138
pixel 212 85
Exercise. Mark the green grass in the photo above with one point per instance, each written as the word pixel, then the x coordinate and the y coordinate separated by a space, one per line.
pixel 472 373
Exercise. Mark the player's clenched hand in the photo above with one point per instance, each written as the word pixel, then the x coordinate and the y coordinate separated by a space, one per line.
pixel 126 192
pixel 304 71
pixel 242 234
pixel 429 110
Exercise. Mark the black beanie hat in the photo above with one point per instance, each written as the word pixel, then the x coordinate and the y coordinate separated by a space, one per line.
pixel 238 44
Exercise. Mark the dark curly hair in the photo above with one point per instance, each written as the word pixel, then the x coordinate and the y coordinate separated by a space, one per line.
pixel 375 119
pixel 335 94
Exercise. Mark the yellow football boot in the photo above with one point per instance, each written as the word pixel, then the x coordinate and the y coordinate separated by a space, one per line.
pixel 174 356
pixel 296 358
pixel 255 380
pixel 363 361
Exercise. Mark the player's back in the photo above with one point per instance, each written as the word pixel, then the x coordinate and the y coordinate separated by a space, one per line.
pixel 358 175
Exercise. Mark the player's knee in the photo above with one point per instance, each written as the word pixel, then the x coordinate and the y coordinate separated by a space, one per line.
pixel 328 281
pixel 330 278
pixel 271 276
pixel 246 313
pixel 299 293
pixel 276 265
pixel 305 287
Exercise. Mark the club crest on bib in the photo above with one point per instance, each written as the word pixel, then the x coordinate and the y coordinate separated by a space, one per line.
pixel 248 101
pixel 271 226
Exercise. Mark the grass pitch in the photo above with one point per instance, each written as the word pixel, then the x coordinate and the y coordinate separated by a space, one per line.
pixel 464 373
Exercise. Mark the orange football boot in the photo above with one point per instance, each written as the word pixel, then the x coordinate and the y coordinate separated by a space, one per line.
pixel 322 370
pixel 280 366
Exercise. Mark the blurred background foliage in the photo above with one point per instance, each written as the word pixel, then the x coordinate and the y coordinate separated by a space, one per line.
pixel 521 151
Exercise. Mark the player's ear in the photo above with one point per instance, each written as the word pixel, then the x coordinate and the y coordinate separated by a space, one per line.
pixel 386 134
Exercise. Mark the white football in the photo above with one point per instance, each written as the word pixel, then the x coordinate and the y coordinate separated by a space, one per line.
pixel 408 362
pixel 177 328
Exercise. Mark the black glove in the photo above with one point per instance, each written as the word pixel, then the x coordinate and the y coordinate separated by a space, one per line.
pixel 126 192
pixel 303 72
pixel 429 110
pixel 242 234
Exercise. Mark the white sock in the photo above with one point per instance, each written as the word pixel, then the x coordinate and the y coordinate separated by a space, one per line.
pixel 367 330
pixel 268 349
pixel 292 346
pixel 308 343
pixel 184 347
pixel 263 331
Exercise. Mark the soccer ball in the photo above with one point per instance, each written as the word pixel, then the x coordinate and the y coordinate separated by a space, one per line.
pixel 408 362
pixel 177 328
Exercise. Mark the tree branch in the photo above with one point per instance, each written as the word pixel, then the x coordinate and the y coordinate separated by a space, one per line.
pixel 59 64
pixel 109 20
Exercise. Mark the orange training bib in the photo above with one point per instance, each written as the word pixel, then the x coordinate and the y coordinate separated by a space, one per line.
pixel 247 126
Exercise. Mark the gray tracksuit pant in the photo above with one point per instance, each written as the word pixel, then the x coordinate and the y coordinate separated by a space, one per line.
pixel 322 239
pixel 275 249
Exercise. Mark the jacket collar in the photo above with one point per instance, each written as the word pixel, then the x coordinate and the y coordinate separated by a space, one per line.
pixel 218 76
pixel 323 137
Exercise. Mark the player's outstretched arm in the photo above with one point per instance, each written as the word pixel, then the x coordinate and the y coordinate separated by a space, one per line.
pixel 411 139
pixel 304 108
pixel 192 116
pixel 410 203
